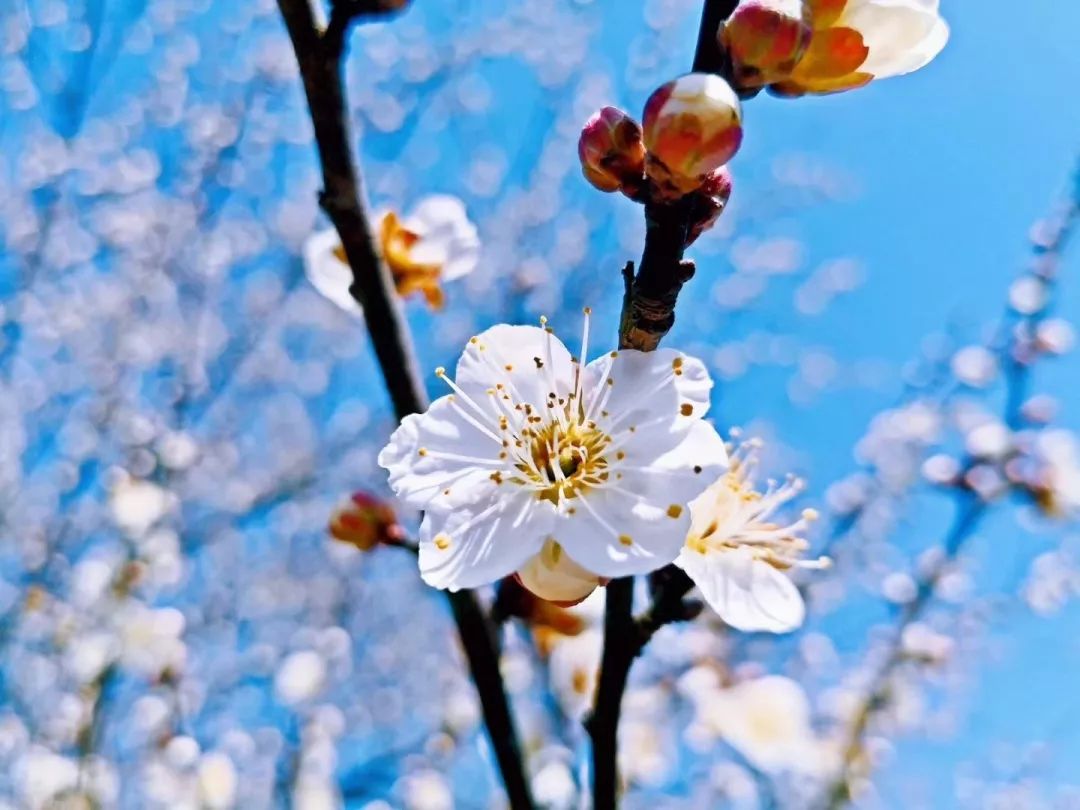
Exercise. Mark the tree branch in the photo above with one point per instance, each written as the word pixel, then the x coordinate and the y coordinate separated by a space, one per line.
pixel 319 57
pixel 648 314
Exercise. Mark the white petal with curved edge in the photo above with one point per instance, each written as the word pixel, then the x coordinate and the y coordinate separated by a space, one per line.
pixel 528 360
pixel 422 480
pixel 615 536
pixel 327 273
pixel 553 575
pixel 748 594
pixel 448 237
pixel 647 393
pixel 902 35
pixel 468 548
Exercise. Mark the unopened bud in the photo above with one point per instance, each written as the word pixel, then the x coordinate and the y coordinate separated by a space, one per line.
pixel 765 39
pixel 554 577
pixel 692 126
pixel 365 521
pixel 611 150
pixel 710 200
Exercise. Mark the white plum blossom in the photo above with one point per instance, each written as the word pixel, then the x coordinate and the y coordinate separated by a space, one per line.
pixel 739 558
pixel 767 720
pixel 902 35
pixel 534 447
pixel 436 242
pixel 217 781
pixel 854 42
pixel 300 677
pixel 136 505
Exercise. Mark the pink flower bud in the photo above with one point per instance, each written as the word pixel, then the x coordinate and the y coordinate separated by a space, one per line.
pixel 692 126
pixel 611 151
pixel 765 39
pixel 365 521
pixel 709 203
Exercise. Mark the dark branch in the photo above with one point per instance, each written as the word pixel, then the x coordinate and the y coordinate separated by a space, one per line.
pixel 648 314
pixel 319 57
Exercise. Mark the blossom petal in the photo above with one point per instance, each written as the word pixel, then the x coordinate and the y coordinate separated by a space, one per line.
pixel 448 237
pixel 748 594
pixel 902 35
pixel 327 273
pixel 528 360
pixel 469 547
pixel 657 395
pixel 442 459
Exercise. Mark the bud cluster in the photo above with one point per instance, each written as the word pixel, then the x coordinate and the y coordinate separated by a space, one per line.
pixel 691 127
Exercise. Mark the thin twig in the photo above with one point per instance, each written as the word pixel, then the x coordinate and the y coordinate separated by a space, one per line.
pixel 319 55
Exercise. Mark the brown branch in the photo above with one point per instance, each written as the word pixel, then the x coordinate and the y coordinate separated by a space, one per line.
pixel 648 314
pixel 318 54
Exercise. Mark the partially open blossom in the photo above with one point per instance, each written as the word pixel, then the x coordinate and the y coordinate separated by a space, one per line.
pixel 435 243
pixel 765 39
pixel 739 557
pixel 692 126
pixel 611 151
pixel 709 203
pixel 533 446
pixel 554 577
pixel 364 521
pixel 856 41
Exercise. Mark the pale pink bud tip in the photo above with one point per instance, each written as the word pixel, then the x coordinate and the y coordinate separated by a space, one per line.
pixel 611 150
pixel 692 126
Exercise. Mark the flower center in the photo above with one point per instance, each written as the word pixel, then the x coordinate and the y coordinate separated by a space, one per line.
pixel 564 459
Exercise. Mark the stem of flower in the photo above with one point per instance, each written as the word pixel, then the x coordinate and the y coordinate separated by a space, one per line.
pixel 319 55
pixel 648 314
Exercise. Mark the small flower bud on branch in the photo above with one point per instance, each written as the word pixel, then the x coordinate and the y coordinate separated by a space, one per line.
pixel 611 151
pixel 692 126
pixel 765 40
pixel 364 521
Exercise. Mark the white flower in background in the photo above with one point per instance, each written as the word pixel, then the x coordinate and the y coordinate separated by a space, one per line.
pixel 427 790
pixel 136 505
pixel 573 669
pixel 436 242
pixel 533 447
pixel 856 41
pixel 217 781
pixel 767 720
pixel 39 776
pixel 151 639
pixel 739 558
pixel 1057 481
pixel 300 677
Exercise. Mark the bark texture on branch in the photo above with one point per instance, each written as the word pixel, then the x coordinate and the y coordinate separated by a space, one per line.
pixel 319 56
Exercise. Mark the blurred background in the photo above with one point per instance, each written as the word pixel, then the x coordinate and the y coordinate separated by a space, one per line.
pixel 886 302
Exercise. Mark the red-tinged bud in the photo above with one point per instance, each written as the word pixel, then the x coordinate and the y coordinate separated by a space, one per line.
pixel 709 203
pixel 765 39
pixel 365 521
pixel 611 150
pixel 692 126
